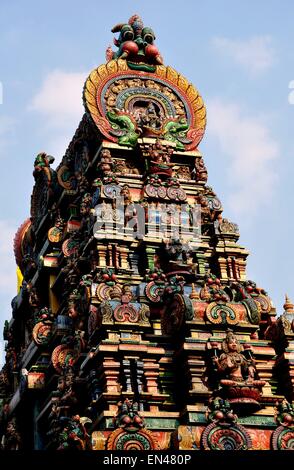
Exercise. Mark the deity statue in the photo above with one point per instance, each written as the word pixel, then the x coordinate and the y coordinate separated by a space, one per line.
pixel 236 368
pixel 179 252
pixel 148 116
pixel 200 171
pixel 127 416
pixel 74 434
pixel 127 295
pixel 126 195
pixel 105 165
pixel 160 159
pixel 11 439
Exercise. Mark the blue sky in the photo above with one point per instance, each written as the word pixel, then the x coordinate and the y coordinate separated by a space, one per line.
pixel 238 54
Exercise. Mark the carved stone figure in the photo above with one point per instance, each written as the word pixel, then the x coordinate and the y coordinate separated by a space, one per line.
pixel 105 165
pixel 237 374
pixel 160 159
pixel 200 171
pixel 236 368
pixel 11 439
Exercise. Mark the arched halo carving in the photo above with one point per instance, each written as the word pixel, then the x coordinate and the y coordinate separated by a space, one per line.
pixel 142 439
pixel 125 104
pixel 225 437
pixel 42 333
pixel 221 313
pixel 283 438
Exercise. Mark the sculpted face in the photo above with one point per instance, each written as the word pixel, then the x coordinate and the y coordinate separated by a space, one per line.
pixel 69 379
pixel 232 344
pixel 60 384
pixel 10 428
pixel 135 42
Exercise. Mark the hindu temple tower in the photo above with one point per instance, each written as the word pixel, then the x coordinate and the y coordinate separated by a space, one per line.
pixel 135 326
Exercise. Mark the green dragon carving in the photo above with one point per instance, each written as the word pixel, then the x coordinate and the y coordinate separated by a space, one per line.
pixel 175 131
pixel 123 128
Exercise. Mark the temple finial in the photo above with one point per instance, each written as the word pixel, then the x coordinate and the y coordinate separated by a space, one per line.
pixel 194 294
pixel 135 44
pixel 288 305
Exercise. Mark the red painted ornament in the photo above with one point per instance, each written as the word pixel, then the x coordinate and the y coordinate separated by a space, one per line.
pixel 130 47
pixel 288 419
pixel 127 420
pixel 151 51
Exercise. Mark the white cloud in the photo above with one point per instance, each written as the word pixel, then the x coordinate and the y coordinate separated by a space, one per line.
pixel 60 97
pixel 59 101
pixel 255 54
pixel 247 143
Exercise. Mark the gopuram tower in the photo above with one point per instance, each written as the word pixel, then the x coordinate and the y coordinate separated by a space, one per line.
pixel 135 327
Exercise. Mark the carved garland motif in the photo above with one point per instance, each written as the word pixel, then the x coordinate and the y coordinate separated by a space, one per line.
pixel 172 193
pixel 114 311
pixel 283 438
pixel 139 440
pixel 42 333
pixel 62 356
pixel 225 437
pixel 103 291
pixel 70 247
pixel 126 313
pixel 20 241
pixel 66 355
pixel 66 178
pixel 154 291
pixel 221 314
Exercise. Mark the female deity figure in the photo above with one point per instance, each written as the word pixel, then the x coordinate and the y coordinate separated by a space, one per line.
pixel 234 366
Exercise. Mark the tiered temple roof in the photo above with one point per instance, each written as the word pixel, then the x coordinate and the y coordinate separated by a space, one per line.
pixel 135 326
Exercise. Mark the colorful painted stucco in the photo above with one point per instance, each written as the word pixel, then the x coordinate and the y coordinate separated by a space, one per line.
pixel 135 326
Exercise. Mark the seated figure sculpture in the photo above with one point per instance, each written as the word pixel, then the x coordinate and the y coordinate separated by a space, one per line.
pixel 237 373
pixel 160 160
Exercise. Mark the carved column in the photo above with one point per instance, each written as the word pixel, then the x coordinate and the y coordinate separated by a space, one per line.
pixel 124 251
pixel 111 370
pixel 151 372
pixel 102 255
